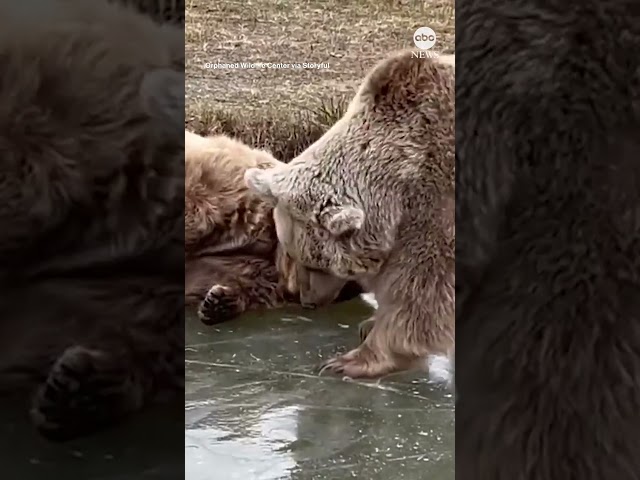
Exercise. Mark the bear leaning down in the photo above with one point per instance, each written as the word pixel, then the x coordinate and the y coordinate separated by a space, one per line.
pixel 373 201
pixel 233 262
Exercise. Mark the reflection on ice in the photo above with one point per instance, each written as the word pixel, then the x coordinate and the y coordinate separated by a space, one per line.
pixel 256 408
pixel 211 453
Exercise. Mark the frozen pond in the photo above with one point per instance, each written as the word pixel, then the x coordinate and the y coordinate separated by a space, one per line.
pixel 148 447
pixel 256 409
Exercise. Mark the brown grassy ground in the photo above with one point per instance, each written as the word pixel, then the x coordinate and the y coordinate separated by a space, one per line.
pixel 285 110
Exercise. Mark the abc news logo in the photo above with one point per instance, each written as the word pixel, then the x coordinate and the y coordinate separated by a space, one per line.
pixel 424 38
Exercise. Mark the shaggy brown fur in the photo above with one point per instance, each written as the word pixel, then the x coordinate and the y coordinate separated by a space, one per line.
pixel 548 240
pixel 373 201
pixel 221 215
pixel 233 262
pixel 91 208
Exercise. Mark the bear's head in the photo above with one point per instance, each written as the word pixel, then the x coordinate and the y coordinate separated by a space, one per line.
pixel 321 236
pixel 339 204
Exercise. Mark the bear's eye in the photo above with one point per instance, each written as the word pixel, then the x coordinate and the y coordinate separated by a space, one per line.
pixel 319 232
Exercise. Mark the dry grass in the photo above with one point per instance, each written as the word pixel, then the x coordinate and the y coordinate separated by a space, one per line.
pixel 285 110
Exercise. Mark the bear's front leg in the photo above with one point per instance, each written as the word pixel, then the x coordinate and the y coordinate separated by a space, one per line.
pixel 86 390
pixel 363 362
pixel 376 355
pixel 364 328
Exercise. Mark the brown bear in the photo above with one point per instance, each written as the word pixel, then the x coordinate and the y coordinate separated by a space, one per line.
pixel 233 262
pixel 91 208
pixel 548 241
pixel 373 201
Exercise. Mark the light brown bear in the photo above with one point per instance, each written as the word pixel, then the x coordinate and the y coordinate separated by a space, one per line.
pixel 373 201
pixel 91 208
pixel 233 262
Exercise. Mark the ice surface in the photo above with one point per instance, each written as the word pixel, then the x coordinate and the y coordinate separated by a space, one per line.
pixel 146 447
pixel 256 408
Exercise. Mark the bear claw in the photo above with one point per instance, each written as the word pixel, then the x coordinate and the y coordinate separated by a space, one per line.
pixel 359 363
pixel 219 305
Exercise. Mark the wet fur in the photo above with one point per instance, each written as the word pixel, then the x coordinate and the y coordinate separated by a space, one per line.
pixel 548 241
pixel 373 201
pixel 233 263
pixel 91 207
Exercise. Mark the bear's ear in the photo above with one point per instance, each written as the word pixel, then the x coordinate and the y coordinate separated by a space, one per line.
pixel 342 220
pixel 397 79
pixel 162 95
pixel 260 181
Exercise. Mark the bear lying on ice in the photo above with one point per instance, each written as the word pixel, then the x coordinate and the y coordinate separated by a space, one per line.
pixel 233 261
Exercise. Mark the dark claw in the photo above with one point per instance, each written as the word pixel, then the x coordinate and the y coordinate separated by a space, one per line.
pixel 217 307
